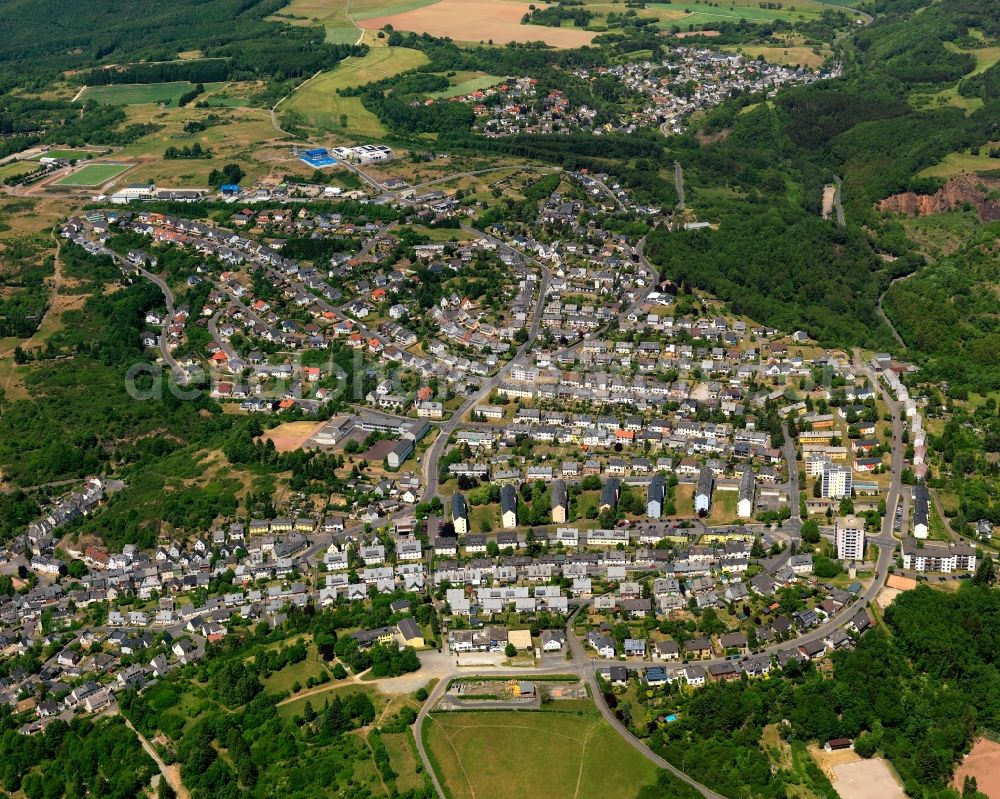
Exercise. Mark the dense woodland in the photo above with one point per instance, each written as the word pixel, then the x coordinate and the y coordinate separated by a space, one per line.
pixel 919 695
pixel 100 759
pixel 947 313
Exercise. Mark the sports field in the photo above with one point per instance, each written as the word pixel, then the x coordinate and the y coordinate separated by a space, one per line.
pixel 141 93
pixel 319 104
pixel 570 754
pixel 93 175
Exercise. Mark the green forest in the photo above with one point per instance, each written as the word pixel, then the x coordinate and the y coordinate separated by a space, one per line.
pixel 917 694
pixel 948 313
pixel 233 740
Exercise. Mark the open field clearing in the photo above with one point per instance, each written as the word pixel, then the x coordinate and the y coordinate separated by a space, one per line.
pixel 467 85
pixel 498 21
pixel 941 234
pixel 732 11
pixel 316 696
pixel 142 93
pixel 949 96
pixel 963 163
pixel 238 137
pixel 339 17
pixel 792 56
pixel 69 154
pixel 329 14
pixel 403 757
pixel 290 436
pixel 93 175
pixel 501 753
pixel 320 105
pixel 985 57
pixel 16 168
pixel 724 505
pixel 366 9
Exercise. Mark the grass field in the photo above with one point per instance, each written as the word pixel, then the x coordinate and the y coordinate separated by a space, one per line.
pixel 985 57
pixel 320 105
pixel 16 168
pixel 724 505
pixel 282 681
pixel 793 56
pixel 473 83
pixel 328 691
pixel 962 163
pixel 366 9
pixel 504 754
pixel 403 759
pixel 684 14
pixel 142 93
pixel 949 96
pixel 338 17
pixel 93 175
pixel 685 499
pixel 70 154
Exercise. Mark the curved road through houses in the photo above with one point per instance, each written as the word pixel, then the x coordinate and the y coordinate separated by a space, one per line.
pixel 168 297
pixel 429 470
pixel 585 667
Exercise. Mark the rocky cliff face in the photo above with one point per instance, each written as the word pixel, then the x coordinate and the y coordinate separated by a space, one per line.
pixel 957 192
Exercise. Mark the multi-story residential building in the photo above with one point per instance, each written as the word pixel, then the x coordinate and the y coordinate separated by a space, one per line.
pixel 850 538
pixel 837 482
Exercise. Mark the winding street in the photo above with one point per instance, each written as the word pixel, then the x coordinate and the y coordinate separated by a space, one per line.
pixel 586 668
pixel 429 470
pixel 168 297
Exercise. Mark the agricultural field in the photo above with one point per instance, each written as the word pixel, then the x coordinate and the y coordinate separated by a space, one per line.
pixel 319 105
pixel 498 21
pixel 329 14
pixel 142 93
pixel 702 13
pixel 796 55
pixel 93 175
pixel 502 753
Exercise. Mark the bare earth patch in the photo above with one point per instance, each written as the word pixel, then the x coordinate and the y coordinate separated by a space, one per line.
pixel 829 192
pixel 866 779
pixel 983 763
pixel 479 20
pixel 291 436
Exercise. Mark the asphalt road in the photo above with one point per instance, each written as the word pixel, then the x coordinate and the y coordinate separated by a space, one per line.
pixel 429 466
